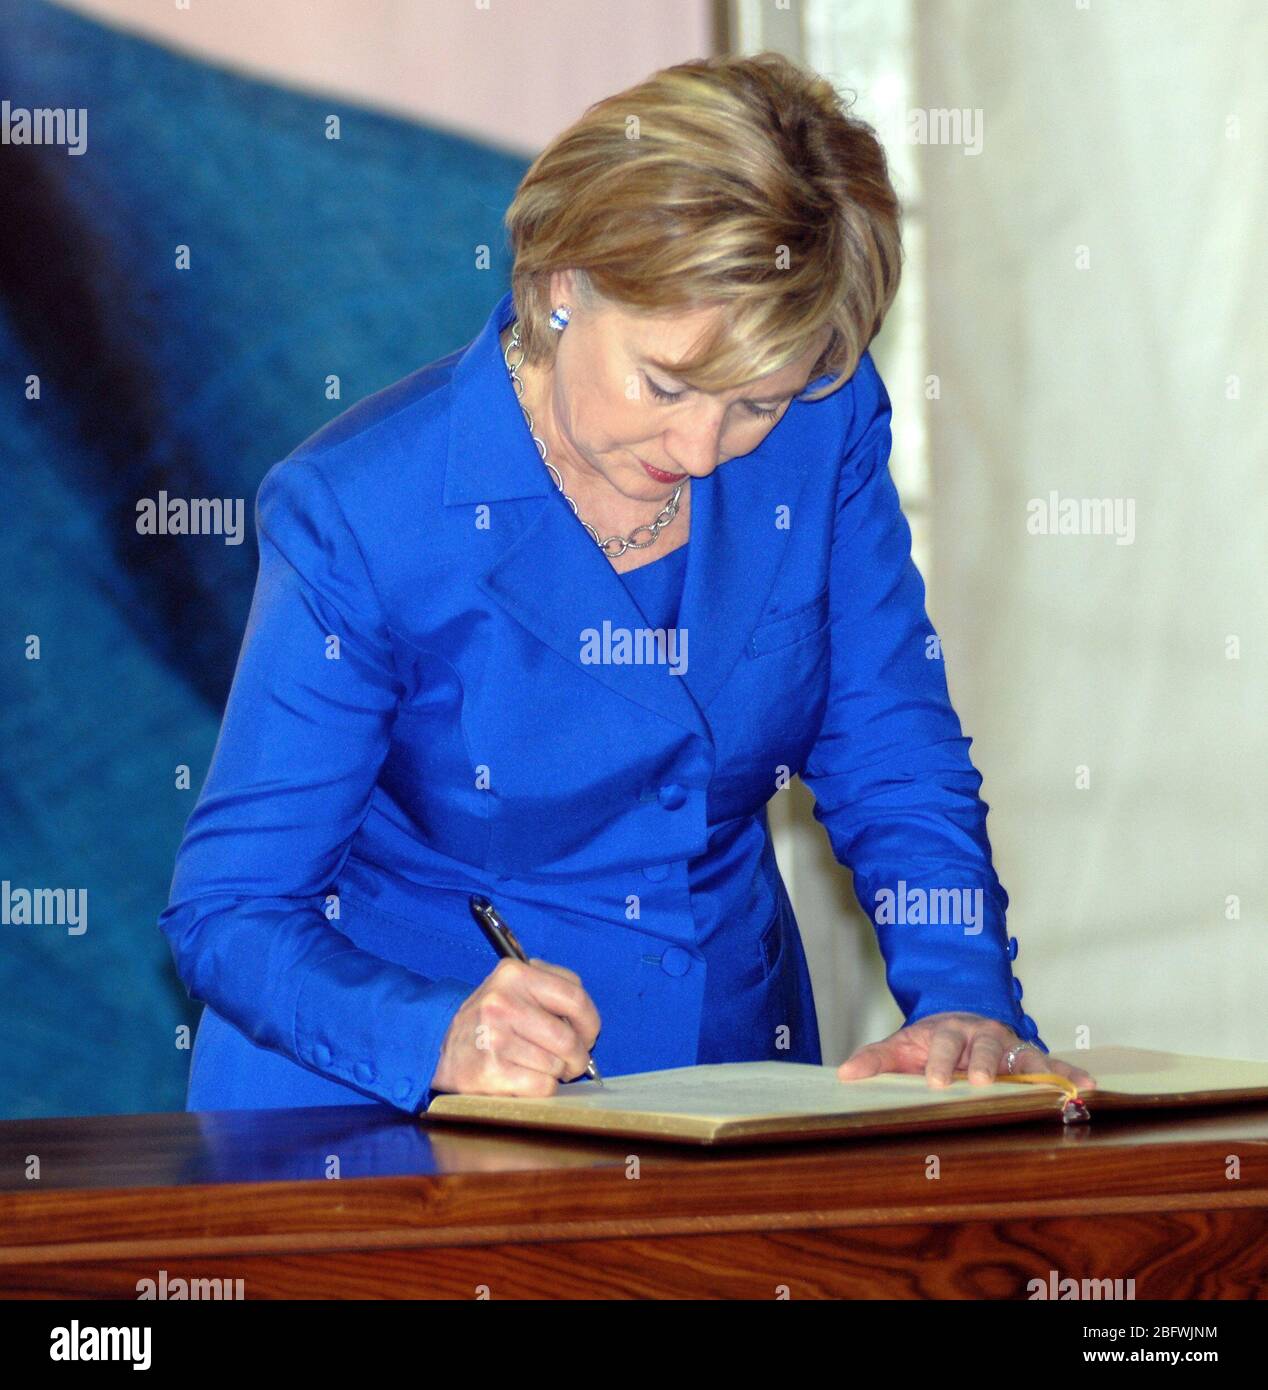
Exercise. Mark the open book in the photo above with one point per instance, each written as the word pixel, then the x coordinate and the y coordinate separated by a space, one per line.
pixel 766 1102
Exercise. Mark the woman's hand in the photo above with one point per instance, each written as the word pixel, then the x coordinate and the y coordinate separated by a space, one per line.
pixel 521 1030
pixel 943 1043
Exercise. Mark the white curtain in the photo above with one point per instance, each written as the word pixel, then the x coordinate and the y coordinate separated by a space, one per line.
pixel 1095 341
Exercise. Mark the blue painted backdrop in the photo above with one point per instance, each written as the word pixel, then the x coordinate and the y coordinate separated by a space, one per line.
pixel 309 257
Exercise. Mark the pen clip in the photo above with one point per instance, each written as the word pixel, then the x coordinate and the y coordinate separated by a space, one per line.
pixel 501 937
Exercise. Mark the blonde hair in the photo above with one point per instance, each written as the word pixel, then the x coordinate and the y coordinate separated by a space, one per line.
pixel 736 183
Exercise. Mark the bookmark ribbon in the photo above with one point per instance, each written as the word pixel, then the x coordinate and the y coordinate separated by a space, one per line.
pixel 1073 1110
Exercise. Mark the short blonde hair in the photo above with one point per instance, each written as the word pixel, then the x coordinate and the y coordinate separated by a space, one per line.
pixel 736 183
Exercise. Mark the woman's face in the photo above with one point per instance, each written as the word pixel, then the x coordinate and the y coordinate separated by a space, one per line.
pixel 618 419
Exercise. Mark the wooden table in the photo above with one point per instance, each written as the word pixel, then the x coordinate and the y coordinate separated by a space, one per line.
pixel 452 1212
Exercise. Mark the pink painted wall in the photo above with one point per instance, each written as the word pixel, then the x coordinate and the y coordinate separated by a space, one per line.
pixel 511 72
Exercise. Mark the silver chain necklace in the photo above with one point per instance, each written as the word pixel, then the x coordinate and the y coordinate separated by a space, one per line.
pixel 623 543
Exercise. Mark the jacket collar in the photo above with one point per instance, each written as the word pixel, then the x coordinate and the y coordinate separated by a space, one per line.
pixel 491 457
pixel 551 577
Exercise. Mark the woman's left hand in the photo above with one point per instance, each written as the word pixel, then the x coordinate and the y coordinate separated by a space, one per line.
pixel 943 1043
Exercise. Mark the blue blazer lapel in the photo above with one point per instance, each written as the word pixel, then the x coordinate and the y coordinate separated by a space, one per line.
pixel 737 546
pixel 555 581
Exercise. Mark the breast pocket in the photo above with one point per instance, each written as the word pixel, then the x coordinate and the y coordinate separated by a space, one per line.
pixel 775 700
pixel 773 945
pixel 804 622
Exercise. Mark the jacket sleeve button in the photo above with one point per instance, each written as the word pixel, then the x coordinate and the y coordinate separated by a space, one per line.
pixel 675 961
pixel 1012 948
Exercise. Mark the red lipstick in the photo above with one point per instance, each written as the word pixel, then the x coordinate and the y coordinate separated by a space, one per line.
pixel 660 476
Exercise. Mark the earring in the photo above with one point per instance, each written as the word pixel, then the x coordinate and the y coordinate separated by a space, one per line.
pixel 559 317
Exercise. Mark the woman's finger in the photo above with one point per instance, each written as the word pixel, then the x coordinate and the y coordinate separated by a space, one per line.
pixel 556 969
pixel 1032 1059
pixel 559 993
pixel 945 1049
pixel 986 1052
pixel 522 1052
pixel 1084 1080
pixel 869 1060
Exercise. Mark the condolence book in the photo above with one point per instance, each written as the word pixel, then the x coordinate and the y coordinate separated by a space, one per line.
pixel 771 1102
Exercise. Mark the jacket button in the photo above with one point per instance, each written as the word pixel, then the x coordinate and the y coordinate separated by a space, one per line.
pixel 1029 1029
pixel 656 872
pixel 1017 990
pixel 1012 948
pixel 675 961
pixel 321 1055
pixel 671 796
pixel 364 1072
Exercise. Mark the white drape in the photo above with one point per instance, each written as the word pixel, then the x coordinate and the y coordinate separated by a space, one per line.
pixel 1095 285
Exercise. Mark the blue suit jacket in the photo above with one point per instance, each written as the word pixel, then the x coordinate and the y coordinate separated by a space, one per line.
pixel 416 715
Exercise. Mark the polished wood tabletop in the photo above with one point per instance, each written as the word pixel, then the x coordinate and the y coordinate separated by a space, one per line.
pixel 363 1201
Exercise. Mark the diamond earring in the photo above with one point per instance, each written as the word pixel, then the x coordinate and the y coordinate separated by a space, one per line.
pixel 559 317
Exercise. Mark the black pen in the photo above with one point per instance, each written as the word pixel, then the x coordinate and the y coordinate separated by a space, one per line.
pixel 504 943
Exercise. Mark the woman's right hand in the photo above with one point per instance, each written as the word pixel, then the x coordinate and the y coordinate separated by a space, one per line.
pixel 518 1033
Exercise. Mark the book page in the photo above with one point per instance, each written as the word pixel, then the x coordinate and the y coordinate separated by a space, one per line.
pixel 1136 1071
pixel 751 1090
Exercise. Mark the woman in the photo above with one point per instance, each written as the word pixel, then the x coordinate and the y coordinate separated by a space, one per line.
pixel 550 621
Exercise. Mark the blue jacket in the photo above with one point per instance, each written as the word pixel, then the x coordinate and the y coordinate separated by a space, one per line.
pixel 418 714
